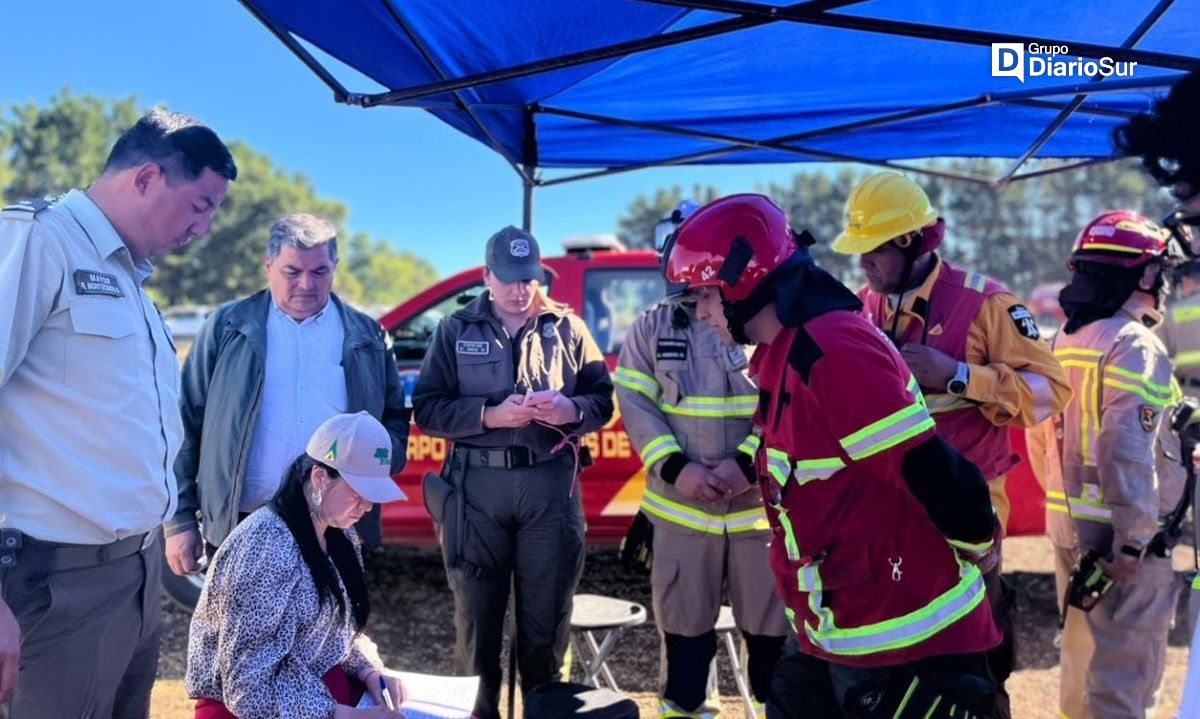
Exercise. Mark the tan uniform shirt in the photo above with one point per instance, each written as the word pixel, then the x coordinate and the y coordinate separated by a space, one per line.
pixel 682 391
pixel 1121 469
pixel 89 386
pixel 1013 381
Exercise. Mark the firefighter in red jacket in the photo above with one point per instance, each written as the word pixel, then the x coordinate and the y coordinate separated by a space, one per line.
pixel 878 522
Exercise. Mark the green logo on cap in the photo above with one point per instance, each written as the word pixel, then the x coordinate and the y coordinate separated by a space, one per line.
pixel 382 455
pixel 331 455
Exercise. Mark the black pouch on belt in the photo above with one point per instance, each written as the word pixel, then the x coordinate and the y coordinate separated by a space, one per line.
pixel 440 502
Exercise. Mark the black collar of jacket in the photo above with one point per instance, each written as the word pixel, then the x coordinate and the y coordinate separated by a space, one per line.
pixel 480 309
pixel 801 296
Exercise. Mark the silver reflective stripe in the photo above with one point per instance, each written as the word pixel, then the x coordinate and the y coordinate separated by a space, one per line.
pixel 716 407
pixel 637 381
pixel 905 631
pixel 748 520
pixel 809 470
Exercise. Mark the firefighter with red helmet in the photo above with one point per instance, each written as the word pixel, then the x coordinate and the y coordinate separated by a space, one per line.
pixel 687 402
pixel 878 523
pixel 974 348
pixel 1121 469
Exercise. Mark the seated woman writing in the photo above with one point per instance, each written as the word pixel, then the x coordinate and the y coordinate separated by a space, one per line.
pixel 278 629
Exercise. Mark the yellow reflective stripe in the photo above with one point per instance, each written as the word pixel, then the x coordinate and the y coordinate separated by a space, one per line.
pixel 778 465
pixel 1078 352
pixel 1154 399
pixel 1090 505
pixel 658 448
pixel 905 631
pixel 1112 248
pixel 1089 411
pixel 1196 583
pixel 1166 390
pixel 1057 502
pixel 748 520
pixel 809 470
pixel 932 707
pixel 977 548
pixel 912 687
pixel 736 406
pixel 680 514
pixel 1187 359
pixel 1185 313
pixel 887 432
pixel 789 535
pixel 749 445
pixel 637 381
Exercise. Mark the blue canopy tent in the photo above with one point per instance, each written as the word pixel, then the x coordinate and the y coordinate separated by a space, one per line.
pixel 618 85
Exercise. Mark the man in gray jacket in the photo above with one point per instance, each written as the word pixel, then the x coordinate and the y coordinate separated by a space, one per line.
pixel 265 371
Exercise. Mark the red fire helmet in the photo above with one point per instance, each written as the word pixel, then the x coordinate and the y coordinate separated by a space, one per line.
pixel 732 244
pixel 1122 238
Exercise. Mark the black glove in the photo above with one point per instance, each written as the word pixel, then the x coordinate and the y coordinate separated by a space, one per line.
pixel 637 546
pixel 906 696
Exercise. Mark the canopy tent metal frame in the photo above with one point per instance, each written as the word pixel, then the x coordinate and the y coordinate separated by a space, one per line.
pixel 748 15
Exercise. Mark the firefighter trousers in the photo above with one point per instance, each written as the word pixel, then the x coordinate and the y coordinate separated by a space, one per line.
pixel 690 577
pixel 524 528
pixel 808 687
pixel 1129 630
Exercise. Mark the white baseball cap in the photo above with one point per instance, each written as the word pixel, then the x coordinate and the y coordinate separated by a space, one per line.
pixel 360 449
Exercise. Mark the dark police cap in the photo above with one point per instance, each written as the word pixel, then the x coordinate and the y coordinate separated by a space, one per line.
pixel 512 255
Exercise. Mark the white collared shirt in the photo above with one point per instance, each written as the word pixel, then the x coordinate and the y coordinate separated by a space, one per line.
pixel 304 385
pixel 89 384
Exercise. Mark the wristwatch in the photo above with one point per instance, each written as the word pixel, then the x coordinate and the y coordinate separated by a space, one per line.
pixel 957 385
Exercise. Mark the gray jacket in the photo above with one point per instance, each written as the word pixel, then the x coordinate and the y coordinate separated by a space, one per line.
pixel 220 399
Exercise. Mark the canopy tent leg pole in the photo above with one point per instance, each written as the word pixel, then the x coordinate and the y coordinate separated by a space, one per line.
pixel 527 206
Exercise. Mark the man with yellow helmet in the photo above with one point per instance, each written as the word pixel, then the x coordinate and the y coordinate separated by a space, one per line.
pixel 973 346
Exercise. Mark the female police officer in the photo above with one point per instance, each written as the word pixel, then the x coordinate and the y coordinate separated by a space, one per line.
pixel 508 378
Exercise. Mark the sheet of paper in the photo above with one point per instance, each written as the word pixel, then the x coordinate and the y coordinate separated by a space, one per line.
pixel 435 697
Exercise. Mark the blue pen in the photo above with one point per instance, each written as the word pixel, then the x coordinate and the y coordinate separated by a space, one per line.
pixel 387 698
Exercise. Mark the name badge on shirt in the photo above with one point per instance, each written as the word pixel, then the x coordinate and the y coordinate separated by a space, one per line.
pixel 471 348
pixel 90 282
pixel 671 349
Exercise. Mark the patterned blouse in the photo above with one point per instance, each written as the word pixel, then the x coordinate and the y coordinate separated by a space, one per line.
pixel 260 641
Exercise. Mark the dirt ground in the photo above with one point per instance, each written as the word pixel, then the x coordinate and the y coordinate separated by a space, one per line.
pixel 411 622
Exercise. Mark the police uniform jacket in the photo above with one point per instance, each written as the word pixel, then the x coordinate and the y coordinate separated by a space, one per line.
pixel 473 363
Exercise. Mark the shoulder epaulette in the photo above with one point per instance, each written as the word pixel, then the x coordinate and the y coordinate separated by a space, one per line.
pixel 24 209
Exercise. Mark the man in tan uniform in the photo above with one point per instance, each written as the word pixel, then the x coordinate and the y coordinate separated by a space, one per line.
pixel 687 403
pixel 1120 464
pixel 89 393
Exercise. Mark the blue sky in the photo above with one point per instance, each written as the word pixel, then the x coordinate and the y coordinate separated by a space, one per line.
pixel 404 175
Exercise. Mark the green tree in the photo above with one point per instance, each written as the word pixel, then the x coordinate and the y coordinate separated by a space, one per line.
pixel 63 145
pixel 46 150
pixel 385 275
pixel 635 227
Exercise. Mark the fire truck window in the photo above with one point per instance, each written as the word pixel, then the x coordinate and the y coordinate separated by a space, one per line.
pixel 410 339
pixel 612 300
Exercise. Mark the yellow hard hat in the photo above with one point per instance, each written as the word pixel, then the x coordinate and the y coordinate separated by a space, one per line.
pixel 881 208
